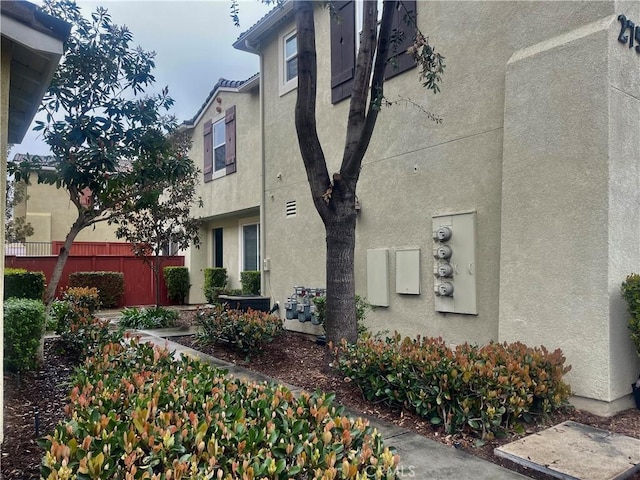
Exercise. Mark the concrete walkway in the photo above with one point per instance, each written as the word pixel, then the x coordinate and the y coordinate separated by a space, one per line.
pixel 420 457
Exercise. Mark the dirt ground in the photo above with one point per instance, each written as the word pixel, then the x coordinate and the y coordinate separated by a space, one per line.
pixel 293 358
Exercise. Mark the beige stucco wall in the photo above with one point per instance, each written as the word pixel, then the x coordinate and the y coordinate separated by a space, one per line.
pixel 571 207
pixel 51 213
pixel 568 215
pixel 199 259
pixel 231 200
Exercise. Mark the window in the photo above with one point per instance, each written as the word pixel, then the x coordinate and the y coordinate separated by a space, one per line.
pixel 290 58
pixel 288 50
pixel 344 26
pixel 250 247
pixel 359 12
pixel 219 139
pixel 220 146
pixel 217 248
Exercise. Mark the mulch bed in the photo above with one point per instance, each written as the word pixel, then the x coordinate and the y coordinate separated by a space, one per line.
pixel 295 359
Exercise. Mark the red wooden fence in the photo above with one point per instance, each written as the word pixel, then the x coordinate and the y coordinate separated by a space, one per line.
pixel 139 285
pixel 94 248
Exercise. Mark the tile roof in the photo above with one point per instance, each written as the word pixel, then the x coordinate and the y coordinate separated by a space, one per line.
pixel 44 160
pixel 222 83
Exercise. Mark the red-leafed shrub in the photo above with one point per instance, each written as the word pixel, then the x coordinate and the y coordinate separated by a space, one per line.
pixel 485 389
pixel 134 412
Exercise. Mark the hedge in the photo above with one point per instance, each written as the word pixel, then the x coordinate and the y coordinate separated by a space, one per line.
pixel 21 283
pixel 215 282
pixel 110 285
pixel 177 281
pixel 487 389
pixel 250 280
pixel 23 329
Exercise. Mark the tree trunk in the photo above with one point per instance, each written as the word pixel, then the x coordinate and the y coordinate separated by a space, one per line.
pixel 335 201
pixel 156 275
pixel 340 321
pixel 56 275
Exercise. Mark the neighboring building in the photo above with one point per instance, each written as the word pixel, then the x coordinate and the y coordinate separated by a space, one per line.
pixel 51 213
pixel 32 45
pixel 226 144
pixel 534 169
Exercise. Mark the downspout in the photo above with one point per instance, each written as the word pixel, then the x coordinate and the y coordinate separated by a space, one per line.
pixel 263 229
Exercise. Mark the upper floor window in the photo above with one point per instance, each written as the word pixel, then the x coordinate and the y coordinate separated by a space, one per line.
pixel 345 30
pixel 219 151
pixel 288 50
pixel 220 146
pixel 291 57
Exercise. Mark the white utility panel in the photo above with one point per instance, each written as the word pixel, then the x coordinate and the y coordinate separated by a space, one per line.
pixel 408 271
pixel 455 269
pixel 378 277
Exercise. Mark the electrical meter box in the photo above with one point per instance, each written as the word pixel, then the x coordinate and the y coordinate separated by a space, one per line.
pixel 454 257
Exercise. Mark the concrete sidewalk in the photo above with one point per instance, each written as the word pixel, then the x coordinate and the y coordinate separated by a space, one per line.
pixel 420 457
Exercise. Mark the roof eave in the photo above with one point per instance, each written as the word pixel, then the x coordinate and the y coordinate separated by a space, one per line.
pixel 250 40
pixel 38 39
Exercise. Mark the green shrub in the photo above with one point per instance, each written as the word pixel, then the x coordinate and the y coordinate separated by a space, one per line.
pixel 136 413
pixel 215 281
pixel 250 280
pixel 247 332
pixel 83 297
pixel 110 285
pixel 20 283
pixel 23 328
pixel 631 293
pixel 485 389
pixel 81 333
pixel 362 306
pixel 177 281
pixel 154 317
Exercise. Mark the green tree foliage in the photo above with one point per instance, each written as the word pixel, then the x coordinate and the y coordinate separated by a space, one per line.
pixel 16 229
pixel 100 122
pixel 155 216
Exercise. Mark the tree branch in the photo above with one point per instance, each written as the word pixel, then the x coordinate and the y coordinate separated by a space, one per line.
pixel 305 112
pixel 359 134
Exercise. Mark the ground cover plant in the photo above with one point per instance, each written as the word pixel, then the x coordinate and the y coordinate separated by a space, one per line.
pixel 137 413
pixel 247 332
pixel 154 317
pixel 490 389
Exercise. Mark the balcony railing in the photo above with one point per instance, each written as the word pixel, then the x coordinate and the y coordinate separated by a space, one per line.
pixel 43 249
pixel 28 249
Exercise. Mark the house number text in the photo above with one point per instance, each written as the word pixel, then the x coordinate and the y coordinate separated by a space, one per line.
pixel 629 32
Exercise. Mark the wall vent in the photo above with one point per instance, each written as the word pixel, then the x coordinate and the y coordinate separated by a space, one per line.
pixel 291 209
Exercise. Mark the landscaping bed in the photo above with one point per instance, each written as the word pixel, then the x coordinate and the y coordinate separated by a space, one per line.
pixel 291 358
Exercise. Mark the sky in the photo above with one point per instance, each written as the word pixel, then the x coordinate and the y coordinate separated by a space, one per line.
pixel 193 44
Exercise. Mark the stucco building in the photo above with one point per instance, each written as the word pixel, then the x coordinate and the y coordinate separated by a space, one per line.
pixel 51 213
pixel 531 179
pixel 226 136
